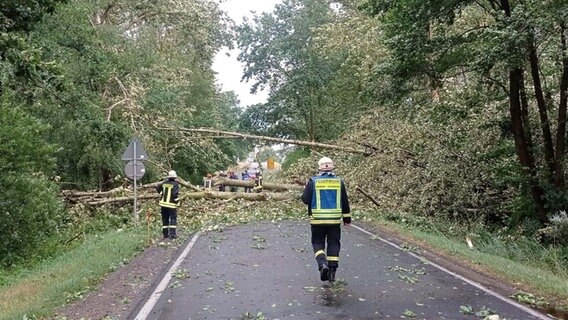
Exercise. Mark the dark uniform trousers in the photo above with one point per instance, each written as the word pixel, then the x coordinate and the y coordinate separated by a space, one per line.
pixel 169 220
pixel 333 235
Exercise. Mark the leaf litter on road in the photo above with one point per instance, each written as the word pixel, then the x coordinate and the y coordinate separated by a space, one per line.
pixel 218 239
pixel 411 274
pixel 530 299
pixel 408 314
pixel 229 286
pixel 180 273
pixel 408 248
pixel 252 316
pixel 310 289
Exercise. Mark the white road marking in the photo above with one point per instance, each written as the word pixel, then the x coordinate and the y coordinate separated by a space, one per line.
pixel 471 282
pixel 149 305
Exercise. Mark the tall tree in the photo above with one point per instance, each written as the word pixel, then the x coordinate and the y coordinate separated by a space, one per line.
pixel 129 66
pixel 485 40
pixel 279 52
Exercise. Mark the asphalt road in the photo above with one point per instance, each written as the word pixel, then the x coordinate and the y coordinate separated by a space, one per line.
pixel 268 271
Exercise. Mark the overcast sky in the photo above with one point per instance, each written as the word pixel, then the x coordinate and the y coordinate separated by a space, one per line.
pixel 229 70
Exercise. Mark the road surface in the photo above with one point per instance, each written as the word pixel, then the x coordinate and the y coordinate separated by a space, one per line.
pixel 268 271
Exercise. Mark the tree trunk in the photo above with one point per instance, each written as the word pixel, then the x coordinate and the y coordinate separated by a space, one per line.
pixel 515 110
pixel 523 152
pixel 312 132
pixel 525 155
pixel 107 177
pixel 205 195
pixel 542 111
pixel 75 194
pixel 122 194
pixel 525 114
pixel 250 184
pixel 179 180
pixel 264 138
pixel 561 133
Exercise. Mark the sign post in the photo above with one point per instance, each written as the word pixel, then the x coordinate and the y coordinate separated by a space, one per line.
pixel 134 169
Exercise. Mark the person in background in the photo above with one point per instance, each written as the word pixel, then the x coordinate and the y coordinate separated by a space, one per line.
pixel 326 197
pixel 222 175
pixel 233 176
pixel 246 177
pixel 258 181
pixel 169 201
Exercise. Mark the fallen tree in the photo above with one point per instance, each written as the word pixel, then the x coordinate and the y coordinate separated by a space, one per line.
pixel 126 194
pixel 121 189
pixel 77 194
pixel 250 184
pixel 184 183
pixel 366 194
pixel 74 196
pixel 263 196
pixel 228 134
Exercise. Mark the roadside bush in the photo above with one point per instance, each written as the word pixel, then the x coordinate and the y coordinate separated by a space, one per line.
pixel 30 214
pixel 557 229
pixel 29 207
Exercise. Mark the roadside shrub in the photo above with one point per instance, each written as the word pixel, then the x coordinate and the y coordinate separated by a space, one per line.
pixel 29 207
pixel 29 214
pixel 557 229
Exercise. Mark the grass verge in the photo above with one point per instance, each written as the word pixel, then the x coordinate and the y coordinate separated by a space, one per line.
pixel 39 292
pixel 516 272
pixel 520 273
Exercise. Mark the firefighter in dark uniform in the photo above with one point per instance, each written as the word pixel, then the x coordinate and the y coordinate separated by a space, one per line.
pixel 169 201
pixel 326 197
pixel 233 176
pixel 258 181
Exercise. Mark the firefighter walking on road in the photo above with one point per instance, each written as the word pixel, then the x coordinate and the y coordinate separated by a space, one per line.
pixel 169 201
pixel 326 197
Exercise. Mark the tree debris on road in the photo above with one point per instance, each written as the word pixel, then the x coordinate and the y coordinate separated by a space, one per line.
pixel 123 195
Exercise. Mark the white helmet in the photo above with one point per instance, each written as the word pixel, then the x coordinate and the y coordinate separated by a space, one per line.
pixel 172 174
pixel 325 164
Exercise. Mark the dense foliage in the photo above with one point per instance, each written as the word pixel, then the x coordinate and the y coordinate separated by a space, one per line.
pixel 79 79
pixel 310 96
pixel 29 205
pixel 513 54
pixel 466 106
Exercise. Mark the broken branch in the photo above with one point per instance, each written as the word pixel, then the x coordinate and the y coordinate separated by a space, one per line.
pixel 367 195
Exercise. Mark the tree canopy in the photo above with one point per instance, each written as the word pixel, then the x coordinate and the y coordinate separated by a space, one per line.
pixel 81 78
pixel 464 103
pixel 310 98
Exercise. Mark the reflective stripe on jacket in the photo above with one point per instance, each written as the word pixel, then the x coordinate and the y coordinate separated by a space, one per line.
pixel 326 198
pixel 169 190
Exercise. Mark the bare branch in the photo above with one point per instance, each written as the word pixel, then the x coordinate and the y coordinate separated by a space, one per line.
pixel 109 109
